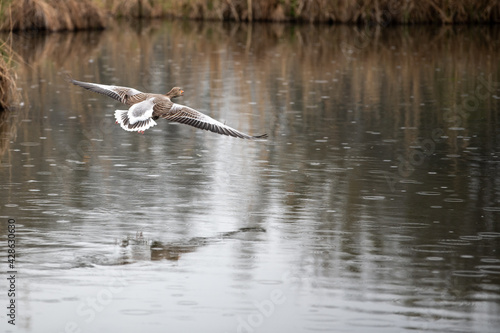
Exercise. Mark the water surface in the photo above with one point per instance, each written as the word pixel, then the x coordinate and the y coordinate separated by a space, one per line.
pixel 374 205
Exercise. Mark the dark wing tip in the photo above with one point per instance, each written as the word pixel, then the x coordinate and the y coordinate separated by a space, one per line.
pixel 263 136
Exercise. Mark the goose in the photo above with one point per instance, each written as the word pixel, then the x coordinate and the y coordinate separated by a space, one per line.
pixel 145 108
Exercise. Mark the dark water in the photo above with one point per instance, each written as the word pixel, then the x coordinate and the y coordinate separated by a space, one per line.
pixel 374 206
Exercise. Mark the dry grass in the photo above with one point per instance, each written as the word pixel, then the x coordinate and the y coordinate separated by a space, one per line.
pixel 133 8
pixel 51 15
pixel 8 89
pixel 339 11
pixel 56 15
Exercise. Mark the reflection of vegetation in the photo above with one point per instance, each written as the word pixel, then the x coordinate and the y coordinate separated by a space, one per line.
pixel 303 54
pixel 307 74
pixel 315 100
pixel 8 89
pixel 7 131
pixel 9 96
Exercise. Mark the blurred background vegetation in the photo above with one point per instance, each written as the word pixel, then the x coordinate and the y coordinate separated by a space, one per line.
pixel 56 15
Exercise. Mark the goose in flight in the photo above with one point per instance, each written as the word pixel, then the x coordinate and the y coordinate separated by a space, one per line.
pixel 145 108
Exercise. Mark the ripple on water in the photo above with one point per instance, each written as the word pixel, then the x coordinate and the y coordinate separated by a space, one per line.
pixel 454 242
pixel 492 209
pixel 414 225
pixel 370 322
pixel 453 200
pixel 489 269
pixel 410 181
pixel 30 144
pixel 397 237
pixel 468 274
pixel 428 193
pixel 30 208
pixel 149 189
pixel 320 321
pixel 432 248
pixel 373 197
pixel 489 234
pixel 136 312
pixel 435 258
pixel 269 282
pixel 471 238
pixel 187 303
pixel 491 260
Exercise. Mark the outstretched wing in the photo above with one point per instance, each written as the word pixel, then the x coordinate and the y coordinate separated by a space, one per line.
pixel 124 95
pixel 186 115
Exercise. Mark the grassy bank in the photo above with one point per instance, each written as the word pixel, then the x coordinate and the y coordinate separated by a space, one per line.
pixel 56 15
pixel 51 15
pixel 8 89
pixel 332 11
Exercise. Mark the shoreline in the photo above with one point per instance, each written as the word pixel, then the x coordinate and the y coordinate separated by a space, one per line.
pixel 72 15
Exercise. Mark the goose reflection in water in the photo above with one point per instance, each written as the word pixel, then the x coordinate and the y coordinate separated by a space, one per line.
pixel 143 249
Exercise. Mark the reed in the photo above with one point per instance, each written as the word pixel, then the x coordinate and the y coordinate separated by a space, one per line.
pixel 133 8
pixel 51 15
pixel 56 15
pixel 333 11
pixel 8 89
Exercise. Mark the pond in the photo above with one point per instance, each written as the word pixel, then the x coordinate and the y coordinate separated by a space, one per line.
pixel 373 206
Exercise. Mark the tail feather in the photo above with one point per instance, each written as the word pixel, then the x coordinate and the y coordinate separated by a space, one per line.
pixel 122 118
